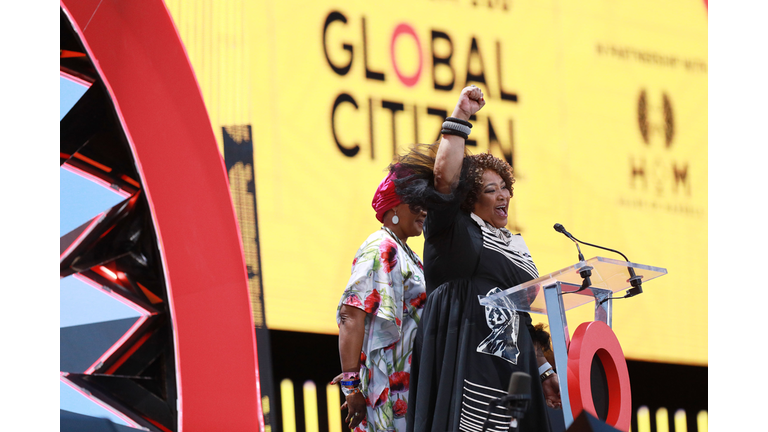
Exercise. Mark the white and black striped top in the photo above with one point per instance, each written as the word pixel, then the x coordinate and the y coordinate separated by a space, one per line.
pixel 511 246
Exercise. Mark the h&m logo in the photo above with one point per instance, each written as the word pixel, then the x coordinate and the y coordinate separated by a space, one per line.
pixel 653 168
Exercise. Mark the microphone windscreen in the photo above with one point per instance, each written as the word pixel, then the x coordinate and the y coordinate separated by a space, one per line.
pixel 559 228
pixel 519 384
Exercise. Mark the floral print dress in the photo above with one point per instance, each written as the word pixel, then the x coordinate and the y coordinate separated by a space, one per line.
pixel 388 283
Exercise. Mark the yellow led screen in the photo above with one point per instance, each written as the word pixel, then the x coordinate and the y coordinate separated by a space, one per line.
pixel 601 106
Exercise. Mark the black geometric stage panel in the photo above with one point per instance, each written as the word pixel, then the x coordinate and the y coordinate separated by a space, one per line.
pixel 81 346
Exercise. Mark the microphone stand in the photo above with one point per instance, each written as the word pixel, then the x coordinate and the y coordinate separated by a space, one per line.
pixel 634 280
pixel 585 271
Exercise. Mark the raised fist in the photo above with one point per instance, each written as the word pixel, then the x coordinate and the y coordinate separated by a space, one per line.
pixel 470 101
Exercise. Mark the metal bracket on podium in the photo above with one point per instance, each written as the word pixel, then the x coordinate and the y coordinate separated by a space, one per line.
pixel 560 291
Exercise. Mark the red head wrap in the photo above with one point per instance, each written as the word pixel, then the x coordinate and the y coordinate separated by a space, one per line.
pixel 385 197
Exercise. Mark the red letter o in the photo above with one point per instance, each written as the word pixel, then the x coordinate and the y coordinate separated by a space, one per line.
pixel 404 28
pixel 597 339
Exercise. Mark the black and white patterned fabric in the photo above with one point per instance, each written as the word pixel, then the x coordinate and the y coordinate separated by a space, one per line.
pixel 512 247
pixel 476 399
pixel 465 353
pixel 505 326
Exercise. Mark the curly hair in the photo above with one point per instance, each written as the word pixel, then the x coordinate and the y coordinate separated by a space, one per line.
pixel 479 163
pixel 415 173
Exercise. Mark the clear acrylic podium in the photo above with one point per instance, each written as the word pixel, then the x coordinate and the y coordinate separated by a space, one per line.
pixel 555 293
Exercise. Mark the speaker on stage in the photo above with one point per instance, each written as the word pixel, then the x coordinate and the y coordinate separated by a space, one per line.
pixel 586 422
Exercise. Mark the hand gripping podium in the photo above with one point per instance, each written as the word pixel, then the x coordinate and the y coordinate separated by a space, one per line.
pixel 559 291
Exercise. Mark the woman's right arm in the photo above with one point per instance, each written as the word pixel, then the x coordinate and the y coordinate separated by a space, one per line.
pixel 450 154
pixel 351 335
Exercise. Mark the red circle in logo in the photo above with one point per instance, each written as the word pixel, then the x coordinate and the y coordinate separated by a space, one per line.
pixel 405 29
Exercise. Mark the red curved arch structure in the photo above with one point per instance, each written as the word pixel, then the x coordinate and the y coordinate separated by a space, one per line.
pixel 138 54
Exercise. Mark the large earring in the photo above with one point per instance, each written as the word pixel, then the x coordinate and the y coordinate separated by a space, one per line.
pixel 395 219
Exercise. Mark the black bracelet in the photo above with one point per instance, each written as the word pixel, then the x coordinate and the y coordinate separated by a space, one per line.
pixel 460 121
pixel 454 132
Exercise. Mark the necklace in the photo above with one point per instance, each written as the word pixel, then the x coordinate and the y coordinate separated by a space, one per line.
pixel 411 254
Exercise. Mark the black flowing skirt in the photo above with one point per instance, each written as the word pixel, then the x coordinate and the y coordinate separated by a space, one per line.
pixel 451 382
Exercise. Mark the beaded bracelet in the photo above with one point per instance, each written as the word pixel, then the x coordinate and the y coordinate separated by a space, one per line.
pixel 350 391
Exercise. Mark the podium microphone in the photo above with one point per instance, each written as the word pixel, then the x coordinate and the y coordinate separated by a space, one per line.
pixel 634 280
pixel 585 271
pixel 516 401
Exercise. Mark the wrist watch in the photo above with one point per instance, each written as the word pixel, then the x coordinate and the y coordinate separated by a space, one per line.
pixel 547 374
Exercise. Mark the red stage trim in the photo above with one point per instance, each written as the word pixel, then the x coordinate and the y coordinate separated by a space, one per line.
pixel 137 52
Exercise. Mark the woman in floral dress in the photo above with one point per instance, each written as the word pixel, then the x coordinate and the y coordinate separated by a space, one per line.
pixel 378 315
